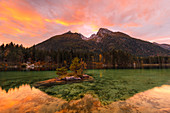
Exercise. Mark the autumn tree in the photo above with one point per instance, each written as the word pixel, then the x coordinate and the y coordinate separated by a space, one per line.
pixel 75 66
pixel 61 71
pixel 78 66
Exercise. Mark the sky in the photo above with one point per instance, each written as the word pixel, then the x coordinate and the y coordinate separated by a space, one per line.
pixel 30 22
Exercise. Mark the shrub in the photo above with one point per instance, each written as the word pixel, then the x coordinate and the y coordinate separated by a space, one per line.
pixel 61 71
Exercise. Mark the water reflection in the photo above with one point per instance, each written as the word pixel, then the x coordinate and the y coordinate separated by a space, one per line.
pixel 101 73
pixel 27 99
pixel 153 100
pixel 30 99
pixel 15 96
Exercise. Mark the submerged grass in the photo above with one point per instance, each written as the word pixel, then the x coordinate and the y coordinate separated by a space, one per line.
pixel 109 85
pixel 15 79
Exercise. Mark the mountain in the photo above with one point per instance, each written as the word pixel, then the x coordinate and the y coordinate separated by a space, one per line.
pixel 68 41
pixel 104 40
pixel 121 41
pixel 165 46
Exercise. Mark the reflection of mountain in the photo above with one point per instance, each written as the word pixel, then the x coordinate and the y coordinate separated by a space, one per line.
pixel 26 99
pixel 104 40
pixel 16 79
pixel 165 46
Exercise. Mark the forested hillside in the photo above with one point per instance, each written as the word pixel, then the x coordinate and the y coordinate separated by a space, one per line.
pixel 14 54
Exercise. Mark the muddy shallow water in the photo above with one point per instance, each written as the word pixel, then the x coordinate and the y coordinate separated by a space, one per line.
pixel 29 99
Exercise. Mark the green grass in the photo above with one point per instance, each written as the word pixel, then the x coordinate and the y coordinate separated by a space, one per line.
pixel 109 85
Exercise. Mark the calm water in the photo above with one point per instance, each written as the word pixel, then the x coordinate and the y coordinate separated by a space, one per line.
pixel 144 91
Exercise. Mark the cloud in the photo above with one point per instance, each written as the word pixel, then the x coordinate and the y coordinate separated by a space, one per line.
pixel 32 21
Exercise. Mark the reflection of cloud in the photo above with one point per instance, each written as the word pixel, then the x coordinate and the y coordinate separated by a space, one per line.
pixel 27 99
pixel 32 21
pixel 163 89
pixel 13 97
pixel 153 100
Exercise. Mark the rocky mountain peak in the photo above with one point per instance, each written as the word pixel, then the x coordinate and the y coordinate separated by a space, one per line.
pixel 103 31
pixel 95 37
pixel 69 32
pixel 83 37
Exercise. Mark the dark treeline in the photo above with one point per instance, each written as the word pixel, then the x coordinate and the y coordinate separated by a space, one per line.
pixel 14 54
pixel 155 60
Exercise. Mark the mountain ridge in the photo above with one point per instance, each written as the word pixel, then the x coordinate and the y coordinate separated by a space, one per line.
pixel 165 46
pixel 103 40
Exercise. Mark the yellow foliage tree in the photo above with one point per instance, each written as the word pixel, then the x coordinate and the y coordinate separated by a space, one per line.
pixel 78 66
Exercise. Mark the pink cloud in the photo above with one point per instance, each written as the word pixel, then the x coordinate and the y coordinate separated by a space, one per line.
pixel 32 21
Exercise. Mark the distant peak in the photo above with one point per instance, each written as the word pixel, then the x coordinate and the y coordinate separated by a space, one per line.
pixel 68 32
pixel 103 30
pixel 155 43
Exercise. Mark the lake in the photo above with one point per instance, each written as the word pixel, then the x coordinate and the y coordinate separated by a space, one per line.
pixel 114 90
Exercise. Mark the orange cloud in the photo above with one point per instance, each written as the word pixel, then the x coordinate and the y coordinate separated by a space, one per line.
pixel 11 11
pixel 94 27
pixel 62 22
pixel 33 21
pixel 15 17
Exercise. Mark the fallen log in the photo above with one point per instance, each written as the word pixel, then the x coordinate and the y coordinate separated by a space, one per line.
pixel 57 81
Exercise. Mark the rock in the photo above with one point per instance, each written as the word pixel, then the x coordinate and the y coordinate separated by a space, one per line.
pixel 78 78
pixel 69 78
pixel 85 76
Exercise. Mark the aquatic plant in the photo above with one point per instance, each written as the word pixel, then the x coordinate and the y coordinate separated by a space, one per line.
pixel 109 85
